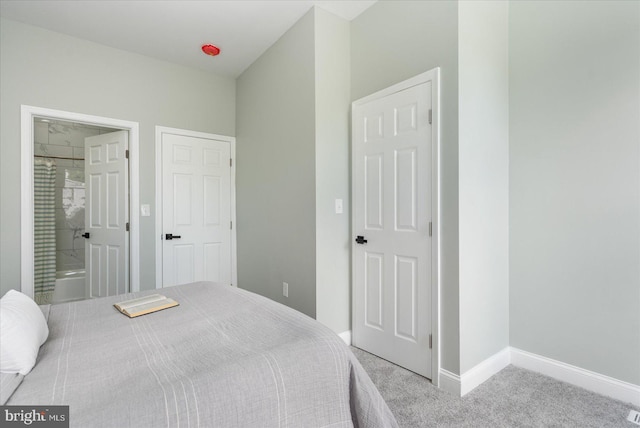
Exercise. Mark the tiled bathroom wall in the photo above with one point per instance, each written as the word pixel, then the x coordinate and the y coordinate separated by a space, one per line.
pixel 65 139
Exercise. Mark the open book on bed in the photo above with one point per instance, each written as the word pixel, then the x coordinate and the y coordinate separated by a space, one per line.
pixel 145 305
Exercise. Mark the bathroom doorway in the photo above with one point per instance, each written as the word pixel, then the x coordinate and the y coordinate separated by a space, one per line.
pixel 63 248
pixel 80 235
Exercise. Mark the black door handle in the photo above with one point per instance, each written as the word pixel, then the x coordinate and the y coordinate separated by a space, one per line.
pixel 170 236
pixel 86 235
pixel 360 240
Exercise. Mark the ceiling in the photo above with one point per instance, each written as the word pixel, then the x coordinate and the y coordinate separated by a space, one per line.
pixel 175 30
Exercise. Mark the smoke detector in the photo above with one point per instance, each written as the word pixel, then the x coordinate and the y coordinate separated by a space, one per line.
pixel 211 50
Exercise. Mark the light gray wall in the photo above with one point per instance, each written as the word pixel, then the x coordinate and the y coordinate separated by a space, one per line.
pixel 391 42
pixel 333 243
pixel 46 69
pixel 484 179
pixel 275 174
pixel 575 183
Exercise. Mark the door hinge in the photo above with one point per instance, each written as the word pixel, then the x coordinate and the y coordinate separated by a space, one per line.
pixel 127 227
pixel 430 229
pixel 231 224
pixel 126 153
pixel 230 162
pixel 430 116
pixel 430 341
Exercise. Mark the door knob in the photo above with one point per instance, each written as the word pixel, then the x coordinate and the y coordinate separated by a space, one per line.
pixel 86 235
pixel 360 240
pixel 170 236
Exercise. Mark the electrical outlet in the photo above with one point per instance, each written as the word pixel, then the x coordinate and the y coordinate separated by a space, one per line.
pixel 285 289
pixel 634 417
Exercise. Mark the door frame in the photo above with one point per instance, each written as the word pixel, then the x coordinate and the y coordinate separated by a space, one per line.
pixel 27 116
pixel 432 76
pixel 160 131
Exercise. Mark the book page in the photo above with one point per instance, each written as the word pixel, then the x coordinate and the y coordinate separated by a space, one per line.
pixel 150 307
pixel 139 301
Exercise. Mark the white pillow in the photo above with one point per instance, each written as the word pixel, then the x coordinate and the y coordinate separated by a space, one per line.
pixel 22 330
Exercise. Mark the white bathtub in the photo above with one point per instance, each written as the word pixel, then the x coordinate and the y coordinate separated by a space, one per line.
pixel 70 286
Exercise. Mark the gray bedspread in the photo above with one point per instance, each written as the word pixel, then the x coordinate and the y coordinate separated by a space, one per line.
pixel 224 358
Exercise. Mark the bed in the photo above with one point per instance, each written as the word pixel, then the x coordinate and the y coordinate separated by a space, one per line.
pixel 224 358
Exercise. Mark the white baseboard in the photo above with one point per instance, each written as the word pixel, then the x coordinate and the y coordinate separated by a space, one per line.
pixel 586 379
pixel 346 336
pixel 461 385
pixel 449 382
pixel 483 371
pixel 592 381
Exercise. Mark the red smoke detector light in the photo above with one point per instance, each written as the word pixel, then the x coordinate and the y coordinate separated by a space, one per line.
pixel 210 50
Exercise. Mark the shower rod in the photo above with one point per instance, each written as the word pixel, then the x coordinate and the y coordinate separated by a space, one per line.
pixel 57 157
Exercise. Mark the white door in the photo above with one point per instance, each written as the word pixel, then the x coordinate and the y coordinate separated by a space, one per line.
pixel 106 214
pixel 392 214
pixel 196 210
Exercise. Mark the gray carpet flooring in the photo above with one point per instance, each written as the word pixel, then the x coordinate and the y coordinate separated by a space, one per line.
pixel 512 398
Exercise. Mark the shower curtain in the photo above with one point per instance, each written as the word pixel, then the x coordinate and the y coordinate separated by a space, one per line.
pixel 44 234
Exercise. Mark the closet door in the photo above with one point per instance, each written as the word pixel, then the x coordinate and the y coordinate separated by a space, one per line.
pixel 196 210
